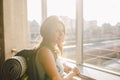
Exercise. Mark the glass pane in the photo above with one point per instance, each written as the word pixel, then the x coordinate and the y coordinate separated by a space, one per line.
pixel 102 34
pixel 67 11
pixel 34 21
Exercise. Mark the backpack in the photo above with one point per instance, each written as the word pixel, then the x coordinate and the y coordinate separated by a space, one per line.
pixel 12 69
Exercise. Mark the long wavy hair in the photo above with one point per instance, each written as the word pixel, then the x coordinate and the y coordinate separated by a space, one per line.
pixel 47 25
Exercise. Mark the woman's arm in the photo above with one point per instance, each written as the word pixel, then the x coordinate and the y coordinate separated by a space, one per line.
pixel 46 58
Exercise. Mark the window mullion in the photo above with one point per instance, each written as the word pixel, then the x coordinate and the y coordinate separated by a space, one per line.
pixel 79 31
pixel 44 9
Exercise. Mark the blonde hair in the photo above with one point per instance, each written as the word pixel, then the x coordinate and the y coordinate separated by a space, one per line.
pixel 48 23
pixel 46 26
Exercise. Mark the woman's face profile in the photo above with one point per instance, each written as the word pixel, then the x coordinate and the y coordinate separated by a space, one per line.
pixel 57 33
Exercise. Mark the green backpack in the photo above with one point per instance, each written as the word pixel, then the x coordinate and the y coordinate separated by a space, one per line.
pixel 13 70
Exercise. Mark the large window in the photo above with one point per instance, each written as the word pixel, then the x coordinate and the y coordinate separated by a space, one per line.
pixel 102 34
pixel 96 42
pixel 67 11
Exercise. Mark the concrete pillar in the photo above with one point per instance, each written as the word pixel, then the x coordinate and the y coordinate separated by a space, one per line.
pixel 15 25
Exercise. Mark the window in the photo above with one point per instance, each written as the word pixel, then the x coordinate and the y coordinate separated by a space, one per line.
pixel 96 42
pixel 34 21
pixel 102 34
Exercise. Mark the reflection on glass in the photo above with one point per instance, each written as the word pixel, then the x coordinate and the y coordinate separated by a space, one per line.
pixel 66 10
pixel 102 34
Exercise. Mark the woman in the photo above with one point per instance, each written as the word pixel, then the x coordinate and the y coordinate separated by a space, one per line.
pixel 48 52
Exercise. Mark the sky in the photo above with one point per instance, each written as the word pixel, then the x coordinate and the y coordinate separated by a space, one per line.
pixel 101 10
pixel 34 10
pixel 60 8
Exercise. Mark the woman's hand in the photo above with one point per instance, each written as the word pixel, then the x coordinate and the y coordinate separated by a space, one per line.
pixel 67 68
pixel 75 70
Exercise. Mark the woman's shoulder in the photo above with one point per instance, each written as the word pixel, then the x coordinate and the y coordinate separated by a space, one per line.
pixel 45 55
pixel 46 52
pixel 43 50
